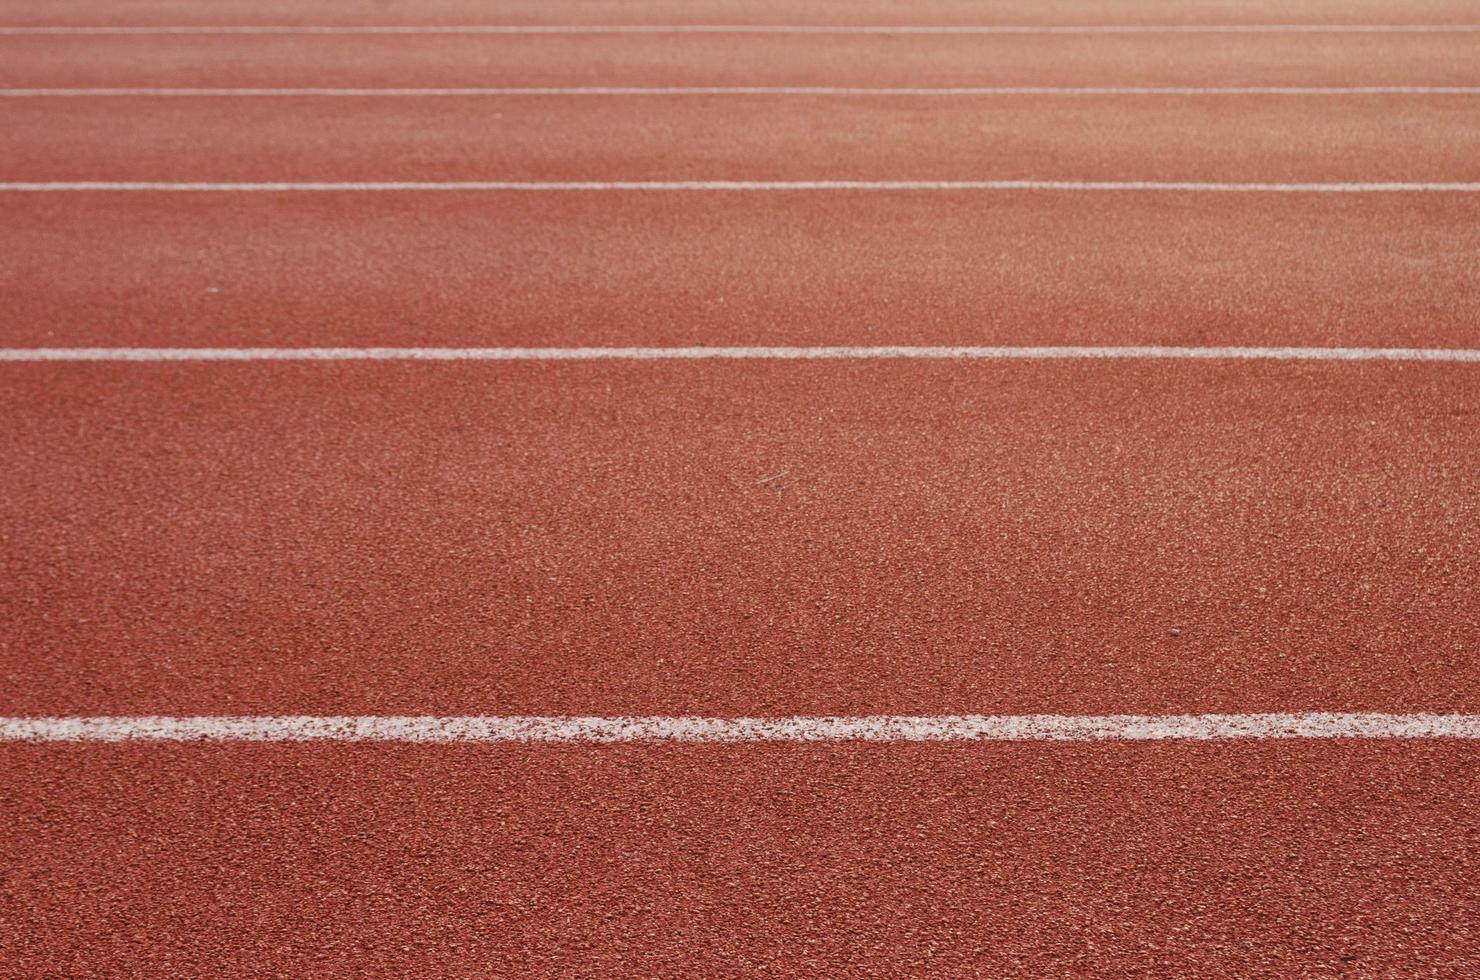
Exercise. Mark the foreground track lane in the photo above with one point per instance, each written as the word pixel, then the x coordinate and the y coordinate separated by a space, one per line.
pixel 410 61
pixel 717 269
pixel 740 538
pixel 824 12
pixel 1198 860
pixel 541 138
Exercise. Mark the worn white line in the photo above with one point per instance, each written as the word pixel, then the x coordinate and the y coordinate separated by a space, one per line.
pixel 283 187
pixel 874 728
pixel 82 29
pixel 37 354
pixel 37 93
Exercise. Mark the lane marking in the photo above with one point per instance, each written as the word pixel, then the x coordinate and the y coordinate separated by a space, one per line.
pixel 37 93
pixel 876 728
pixel 277 187
pixel 37 354
pixel 749 29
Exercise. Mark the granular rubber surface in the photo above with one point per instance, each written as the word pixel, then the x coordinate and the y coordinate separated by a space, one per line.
pixel 739 538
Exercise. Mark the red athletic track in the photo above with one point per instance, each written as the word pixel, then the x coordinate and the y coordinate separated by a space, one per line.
pixel 1304 859
pixel 825 12
pixel 635 269
pixel 1234 138
pixel 615 538
pixel 412 61
pixel 721 538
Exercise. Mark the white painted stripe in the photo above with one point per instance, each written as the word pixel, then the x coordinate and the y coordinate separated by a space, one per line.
pixel 36 93
pixel 43 187
pixel 751 29
pixel 875 728
pixel 24 354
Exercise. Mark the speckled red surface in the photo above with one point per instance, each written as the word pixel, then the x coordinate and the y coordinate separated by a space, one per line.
pixel 843 12
pixel 731 537
pixel 635 269
pixel 419 61
pixel 1420 138
pixel 1284 859
pixel 837 12
pixel 736 537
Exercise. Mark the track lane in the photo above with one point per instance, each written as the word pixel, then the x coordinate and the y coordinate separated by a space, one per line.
pixel 725 269
pixel 1274 139
pixel 352 12
pixel 739 539
pixel 410 61
pixel 1198 860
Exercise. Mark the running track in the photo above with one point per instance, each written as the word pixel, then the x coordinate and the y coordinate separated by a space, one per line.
pixel 707 656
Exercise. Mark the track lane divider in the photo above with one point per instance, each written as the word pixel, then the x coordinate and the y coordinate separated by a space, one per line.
pixel 868 728
pixel 106 29
pixel 279 187
pixel 713 90
pixel 141 354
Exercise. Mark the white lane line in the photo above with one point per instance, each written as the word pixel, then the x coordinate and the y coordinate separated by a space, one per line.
pixel 276 187
pixel 749 29
pixel 37 93
pixel 875 728
pixel 24 354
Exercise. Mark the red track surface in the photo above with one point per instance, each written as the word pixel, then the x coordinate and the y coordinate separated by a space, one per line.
pixel 1285 138
pixel 726 538
pixel 636 269
pixel 825 12
pixel 412 61
pixel 1071 860
pixel 595 539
